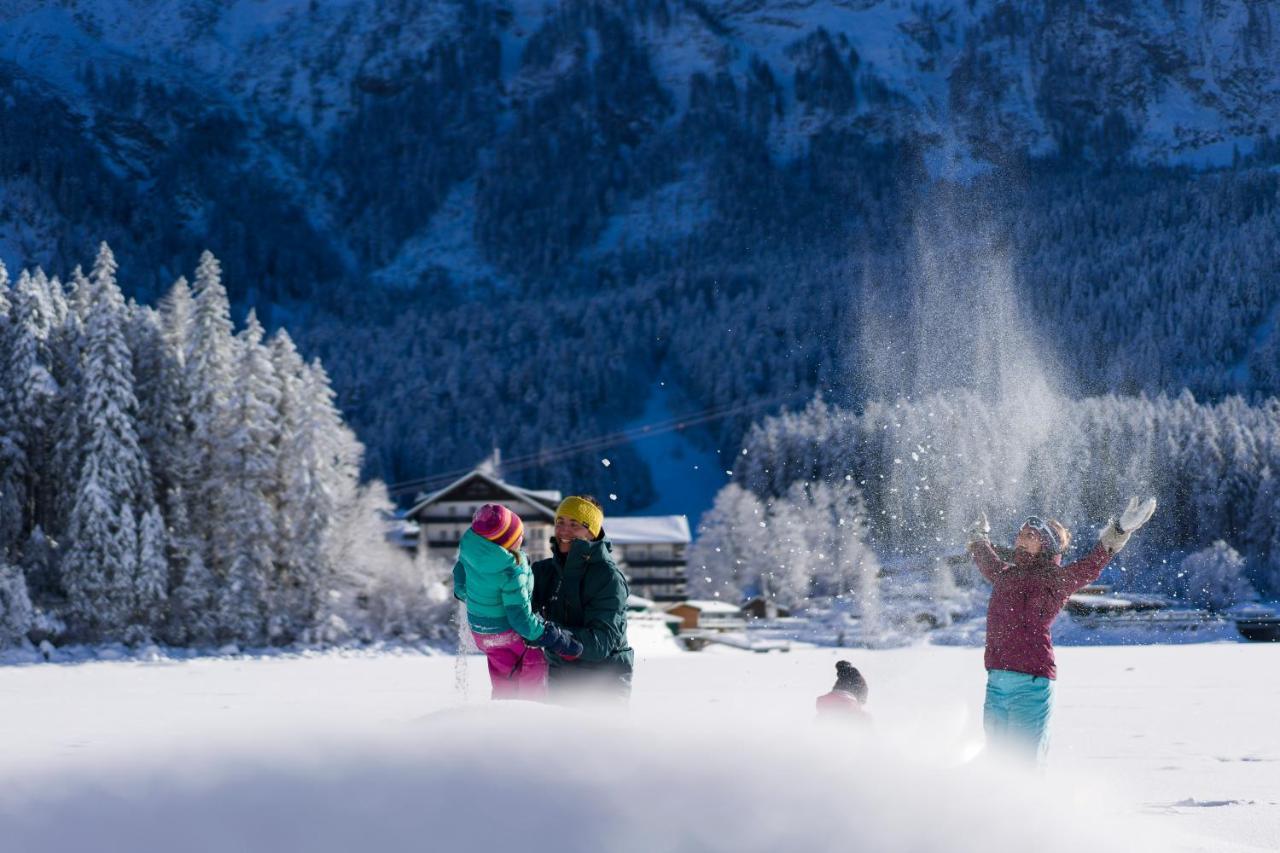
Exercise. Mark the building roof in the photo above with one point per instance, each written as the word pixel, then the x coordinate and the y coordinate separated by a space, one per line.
pixel 648 529
pixel 708 606
pixel 622 530
pixel 536 499
pixel 550 497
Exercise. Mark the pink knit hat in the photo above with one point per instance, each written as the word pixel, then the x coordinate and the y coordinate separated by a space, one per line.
pixel 498 524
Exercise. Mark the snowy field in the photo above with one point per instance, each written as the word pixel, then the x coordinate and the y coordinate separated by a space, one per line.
pixel 1155 748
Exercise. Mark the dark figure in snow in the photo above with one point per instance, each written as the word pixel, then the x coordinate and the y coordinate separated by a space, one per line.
pixel 1027 592
pixel 847 699
pixel 581 588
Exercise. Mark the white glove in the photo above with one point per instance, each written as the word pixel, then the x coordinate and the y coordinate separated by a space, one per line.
pixel 1136 514
pixel 1117 533
pixel 980 530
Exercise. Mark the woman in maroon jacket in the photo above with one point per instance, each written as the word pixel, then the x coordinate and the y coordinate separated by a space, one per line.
pixel 1027 594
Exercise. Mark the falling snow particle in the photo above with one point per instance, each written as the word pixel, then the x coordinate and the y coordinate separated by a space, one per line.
pixel 612 496
pixel 605 462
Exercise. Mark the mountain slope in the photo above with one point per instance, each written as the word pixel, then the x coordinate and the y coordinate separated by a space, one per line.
pixel 747 169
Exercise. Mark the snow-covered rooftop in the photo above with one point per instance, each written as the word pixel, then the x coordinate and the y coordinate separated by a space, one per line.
pixel 708 605
pixel 534 497
pixel 648 529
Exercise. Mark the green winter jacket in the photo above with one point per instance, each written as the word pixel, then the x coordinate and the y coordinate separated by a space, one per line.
pixel 585 592
pixel 496 587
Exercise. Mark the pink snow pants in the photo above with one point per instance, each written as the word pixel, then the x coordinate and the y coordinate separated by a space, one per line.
pixel 517 670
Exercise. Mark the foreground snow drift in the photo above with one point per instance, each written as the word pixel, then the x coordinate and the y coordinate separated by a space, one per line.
pixel 522 777
pixel 1155 748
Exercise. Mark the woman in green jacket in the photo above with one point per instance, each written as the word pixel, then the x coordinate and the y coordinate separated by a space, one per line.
pixel 581 588
pixel 493 577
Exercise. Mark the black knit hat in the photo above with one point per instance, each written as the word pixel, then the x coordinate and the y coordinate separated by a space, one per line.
pixel 850 680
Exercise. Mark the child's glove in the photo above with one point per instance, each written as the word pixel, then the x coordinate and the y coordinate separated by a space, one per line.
pixel 980 530
pixel 558 640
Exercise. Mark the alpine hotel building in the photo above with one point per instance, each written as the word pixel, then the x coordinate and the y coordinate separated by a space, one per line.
pixel 650 550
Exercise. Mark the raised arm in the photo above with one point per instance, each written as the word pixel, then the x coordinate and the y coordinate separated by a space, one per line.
pixel 1114 537
pixel 987 560
pixel 1087 569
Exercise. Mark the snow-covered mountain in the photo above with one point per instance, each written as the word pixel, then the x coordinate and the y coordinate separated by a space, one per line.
pixel 1185 77
pixel 391 162
pixel 386 128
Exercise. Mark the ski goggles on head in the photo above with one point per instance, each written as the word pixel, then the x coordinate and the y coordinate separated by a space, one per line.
pixel 1041 527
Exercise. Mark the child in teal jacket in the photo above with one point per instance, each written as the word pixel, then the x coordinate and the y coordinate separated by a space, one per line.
pixel 492 576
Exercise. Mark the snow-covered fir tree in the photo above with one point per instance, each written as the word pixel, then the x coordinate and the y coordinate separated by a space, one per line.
pixel 32 400
pixel 725 560
pixel 336 455
pixel 98 572
pixel 787 573
pixel 1264 531
pixel 300 522
pixel 209 362
pixel 157 378
pixel 15 606
pixel 40 561
pixel 250 467
pixel 162 479
pixel 177 314
pixel 151 579
pixel 57 364
pixel 1215 578
pixel 176 456
pixel 926 467
pixel 11 456
pixel 382 593
pixel 816 548
pixel 192 617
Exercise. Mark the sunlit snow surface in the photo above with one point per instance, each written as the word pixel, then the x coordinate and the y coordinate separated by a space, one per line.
pixel 1155 748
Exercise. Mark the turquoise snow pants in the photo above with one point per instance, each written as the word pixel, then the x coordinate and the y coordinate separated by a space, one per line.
pixel 1016 715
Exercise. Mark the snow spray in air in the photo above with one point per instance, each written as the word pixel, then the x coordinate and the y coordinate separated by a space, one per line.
pixel 466 646
pixel 966 385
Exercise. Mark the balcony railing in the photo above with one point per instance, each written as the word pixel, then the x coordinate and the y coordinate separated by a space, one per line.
pixel 466 519
pixel 651 581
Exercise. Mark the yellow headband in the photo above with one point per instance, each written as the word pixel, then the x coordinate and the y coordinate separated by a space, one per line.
pixel 582 511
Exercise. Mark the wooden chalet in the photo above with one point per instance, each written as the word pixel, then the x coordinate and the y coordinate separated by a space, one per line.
pixel 442 517
pixel 650 550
